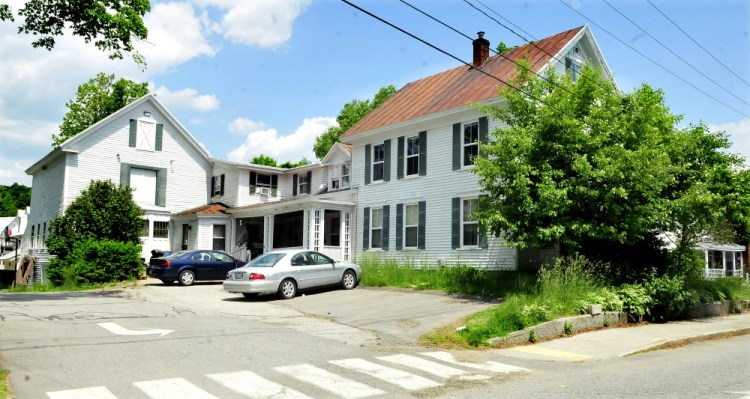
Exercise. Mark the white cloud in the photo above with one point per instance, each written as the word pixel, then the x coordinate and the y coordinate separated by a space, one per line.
pixel 739 134
pixel 292 147
pixel 187 99
pixel 262 23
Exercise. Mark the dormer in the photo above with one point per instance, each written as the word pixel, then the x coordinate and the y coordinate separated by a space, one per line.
pixel 338 162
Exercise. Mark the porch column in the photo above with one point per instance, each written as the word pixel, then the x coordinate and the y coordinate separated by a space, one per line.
pixel 267 233
pixel 346 248
pixel 705 263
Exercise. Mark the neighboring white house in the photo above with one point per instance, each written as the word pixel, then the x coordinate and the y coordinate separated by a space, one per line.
pixel 11 233
pixel 412 157
pixel 142 146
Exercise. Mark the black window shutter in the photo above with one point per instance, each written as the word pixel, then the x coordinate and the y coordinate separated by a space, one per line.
pixel 386 225
pixel 221 192
pixel 161 187
pixel 133 132
pixel 387 163
pixel 400 163
pixel 456 223
pixel 483 129
pixel 274 184
pixel 252 182
pixel 399 226
pixel 366 229
pixel 483 238
pixel 422 153
pixel 213 186
pixel 421 230
pixel 309 181
pixel 456 146
pixel 159 136
pixel 368 163
pixel 124 175
pixel 294 184
pixel 568 63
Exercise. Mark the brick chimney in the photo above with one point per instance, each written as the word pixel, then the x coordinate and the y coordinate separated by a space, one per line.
pixel 481 50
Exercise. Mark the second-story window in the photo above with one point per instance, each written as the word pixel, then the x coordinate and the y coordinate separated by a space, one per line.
pixel 339 176
pixel 378 161
pixel 470 143
pixel 412 156
pixel 302 183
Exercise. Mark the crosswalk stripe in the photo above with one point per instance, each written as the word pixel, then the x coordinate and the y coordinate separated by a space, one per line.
pixel 255 386
pixel 397 377
pixel 172 388
pixel 83 393
pixel 494 367
pixel 424 365
pixel 328 381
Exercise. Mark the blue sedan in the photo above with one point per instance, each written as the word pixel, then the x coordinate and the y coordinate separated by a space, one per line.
pixel 187 267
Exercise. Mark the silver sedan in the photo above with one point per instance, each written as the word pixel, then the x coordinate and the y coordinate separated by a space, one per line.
pixel 284 272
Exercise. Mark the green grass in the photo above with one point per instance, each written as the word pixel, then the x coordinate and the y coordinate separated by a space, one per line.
pixel 4 389
pixel 62 288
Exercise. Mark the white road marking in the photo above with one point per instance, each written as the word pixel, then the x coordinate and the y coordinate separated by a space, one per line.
pixel 83 393
pixel 426 366
pixel 333 383
pixel 397 377
pixel 746 393
pixel 120 330
pixel 255 386
pixel 172 388
pixel 494 367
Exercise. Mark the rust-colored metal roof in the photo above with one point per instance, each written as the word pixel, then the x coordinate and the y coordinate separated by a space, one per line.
pixel 459 86
pixel 210 209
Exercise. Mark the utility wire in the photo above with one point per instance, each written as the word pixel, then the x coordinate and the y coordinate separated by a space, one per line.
pixel 458 59
pixel 514 32
pixel 652 61
pixel 673 53
pixel 491 49
pixel 698 44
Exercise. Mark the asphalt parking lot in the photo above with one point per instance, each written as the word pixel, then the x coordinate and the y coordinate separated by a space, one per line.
pixel 360 315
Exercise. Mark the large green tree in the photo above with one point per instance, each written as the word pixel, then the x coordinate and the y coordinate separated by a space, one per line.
pixel 586 166
pixel 95 100
pixel 352 112
pixel 14 197
pixel 112 25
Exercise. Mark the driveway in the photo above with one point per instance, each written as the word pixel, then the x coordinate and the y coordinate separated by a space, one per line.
pixel 363 316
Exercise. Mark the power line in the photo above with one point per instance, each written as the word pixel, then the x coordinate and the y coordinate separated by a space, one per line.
pixel 491 49
pixel 698 44
pixel 459 60
pixel 673 53
pixel 652 61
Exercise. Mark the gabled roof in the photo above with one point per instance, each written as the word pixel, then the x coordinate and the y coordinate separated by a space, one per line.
pixel 459 86
pixel 68 145
pixel 337 147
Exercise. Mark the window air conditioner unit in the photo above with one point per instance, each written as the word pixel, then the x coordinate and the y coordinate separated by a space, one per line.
pixel 264 191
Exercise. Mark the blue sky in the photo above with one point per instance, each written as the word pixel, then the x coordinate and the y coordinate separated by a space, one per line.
pixel 268 76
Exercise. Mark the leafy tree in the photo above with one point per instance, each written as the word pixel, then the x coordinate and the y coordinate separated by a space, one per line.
pixel 290 164
pixel 599 171
pixel 352 112
pixel 263 159
pixel 95 100
pixel 502 47
pixel 111 24
pixel 14 197
pixel 103 211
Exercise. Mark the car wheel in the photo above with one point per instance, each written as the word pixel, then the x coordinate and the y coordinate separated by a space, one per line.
pixel 348 280
pixel 167 282
pixel 187 277
pixel 287 289
pixel 250 294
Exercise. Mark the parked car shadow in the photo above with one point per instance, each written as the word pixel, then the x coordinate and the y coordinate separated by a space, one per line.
pixel 274 297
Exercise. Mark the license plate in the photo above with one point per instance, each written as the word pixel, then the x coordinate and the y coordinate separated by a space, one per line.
pixel 239 276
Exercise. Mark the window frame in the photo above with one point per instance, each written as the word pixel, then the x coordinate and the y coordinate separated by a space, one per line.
pixel 214 237
pixel 302 183
pixel 408 157
pixel 144 135
pixel 373 229
pixel 162 228
pixel 467 162
pixel 471 222
pixel 415 227
pixel 378 164
pixel 145 228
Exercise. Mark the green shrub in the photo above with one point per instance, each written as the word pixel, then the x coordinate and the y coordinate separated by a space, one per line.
pixel 568 328
pixel 636 301
pixel 535 313
pixel 605 296
pixel 97 261
pixel 671 297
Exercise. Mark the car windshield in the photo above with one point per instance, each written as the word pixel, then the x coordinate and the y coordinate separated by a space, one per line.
pixel 267 260
pixel 178 255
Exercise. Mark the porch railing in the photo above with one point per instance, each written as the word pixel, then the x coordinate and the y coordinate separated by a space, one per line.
pixel 717 273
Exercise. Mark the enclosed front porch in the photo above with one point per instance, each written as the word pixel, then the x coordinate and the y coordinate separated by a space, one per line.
pixel 722 260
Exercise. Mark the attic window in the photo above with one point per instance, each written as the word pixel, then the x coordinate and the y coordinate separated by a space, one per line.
pixel 146 134
pixel 573 67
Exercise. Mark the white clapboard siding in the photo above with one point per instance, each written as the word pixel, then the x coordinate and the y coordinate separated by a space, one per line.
pixel 231 184
pixel 47 190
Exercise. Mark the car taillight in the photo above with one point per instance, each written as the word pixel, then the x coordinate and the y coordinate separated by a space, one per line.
pixel 257 276
pixel 167 263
